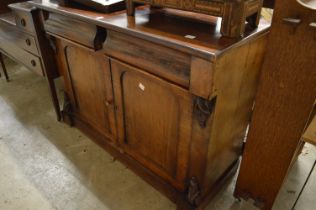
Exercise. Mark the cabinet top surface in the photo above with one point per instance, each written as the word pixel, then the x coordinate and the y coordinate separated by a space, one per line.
pixel 192 33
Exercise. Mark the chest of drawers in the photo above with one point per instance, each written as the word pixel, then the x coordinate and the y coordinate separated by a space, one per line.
pixel 18 38
pixel 22 40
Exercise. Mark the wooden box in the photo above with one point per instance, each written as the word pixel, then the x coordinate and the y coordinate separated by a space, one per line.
pixel 235 13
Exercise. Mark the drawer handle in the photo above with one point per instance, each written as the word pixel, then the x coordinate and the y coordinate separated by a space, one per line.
pixel 33 62
pixel 28 42
pixel 23 22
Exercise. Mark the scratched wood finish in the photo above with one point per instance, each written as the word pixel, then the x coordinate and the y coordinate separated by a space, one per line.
pixel 284 101
pixel 171 95
pixel 234 13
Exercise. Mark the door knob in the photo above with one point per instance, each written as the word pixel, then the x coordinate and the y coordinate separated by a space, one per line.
pixel 109 102
pixel 23 22
pixel 28 42
pixel 33 62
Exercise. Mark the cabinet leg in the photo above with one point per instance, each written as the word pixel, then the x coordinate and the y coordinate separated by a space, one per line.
pixel 130 7
pixel 54 97
pixel 3 67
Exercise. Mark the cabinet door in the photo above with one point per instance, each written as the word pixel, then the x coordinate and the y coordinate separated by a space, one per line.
pixel 154 121
pixel 88 82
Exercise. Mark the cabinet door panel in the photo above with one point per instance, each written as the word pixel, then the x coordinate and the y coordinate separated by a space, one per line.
pixel 154 121
pixel 89 79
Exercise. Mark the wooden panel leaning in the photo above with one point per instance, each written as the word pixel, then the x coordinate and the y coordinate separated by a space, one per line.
pixel 234 13
pixel 284 101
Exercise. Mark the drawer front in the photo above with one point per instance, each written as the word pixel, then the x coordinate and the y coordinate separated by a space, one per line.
pixel 29 60
pixel 62 26
pixel 18 37
pixel 28 43
pixel 24 21
pixel 164 62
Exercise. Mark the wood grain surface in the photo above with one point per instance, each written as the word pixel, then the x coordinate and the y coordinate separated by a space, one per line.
pixel 283 104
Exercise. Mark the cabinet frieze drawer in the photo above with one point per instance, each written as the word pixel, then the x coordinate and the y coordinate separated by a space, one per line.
pixel 161 61
pixel 84 34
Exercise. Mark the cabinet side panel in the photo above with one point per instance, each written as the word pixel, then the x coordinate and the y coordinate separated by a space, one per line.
pixel 236 80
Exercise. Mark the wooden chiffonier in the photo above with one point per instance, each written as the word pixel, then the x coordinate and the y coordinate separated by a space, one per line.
pixel 22 40
pixel 162 92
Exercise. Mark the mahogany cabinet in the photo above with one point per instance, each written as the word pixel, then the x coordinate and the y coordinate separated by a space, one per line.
pixel 173 107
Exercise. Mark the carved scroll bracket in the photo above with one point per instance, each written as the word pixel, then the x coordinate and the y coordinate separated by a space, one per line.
pixel 203 110
pixel 100 38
